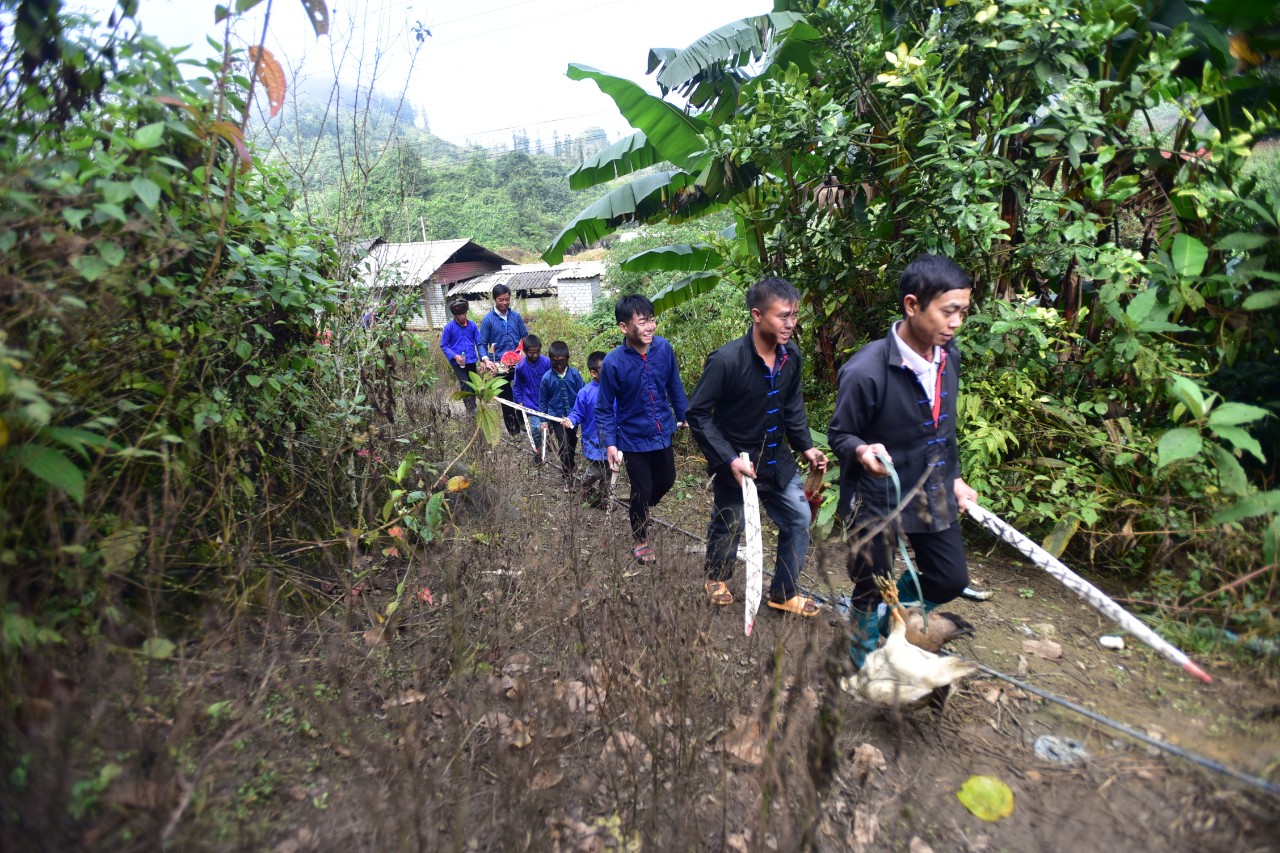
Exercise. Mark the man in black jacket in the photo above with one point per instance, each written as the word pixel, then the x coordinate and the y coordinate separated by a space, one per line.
pixel 749 400
pixel 896 398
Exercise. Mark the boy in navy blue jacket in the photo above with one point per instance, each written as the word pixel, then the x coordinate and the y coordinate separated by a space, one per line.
pixel 528 375
pixel 641 377
pixel 896 398
pixel 556 395
pixel 460 343
pixel 583 416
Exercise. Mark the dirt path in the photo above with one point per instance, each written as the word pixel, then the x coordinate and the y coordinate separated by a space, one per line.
pixel 536 690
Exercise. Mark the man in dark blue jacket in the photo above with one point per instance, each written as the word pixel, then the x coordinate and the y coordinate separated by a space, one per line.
pixel 896 398
pixel 748 400
pixel 501 331
pixel 642 378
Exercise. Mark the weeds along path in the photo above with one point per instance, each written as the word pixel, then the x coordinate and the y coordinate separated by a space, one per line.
pixel 536 689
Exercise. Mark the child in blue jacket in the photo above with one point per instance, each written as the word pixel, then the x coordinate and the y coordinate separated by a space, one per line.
pixel 460 343
pixel 557 393
pixel 583 417
pixel 528 375
pixel 642 378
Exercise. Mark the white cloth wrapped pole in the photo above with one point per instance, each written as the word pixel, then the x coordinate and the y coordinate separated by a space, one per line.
pixel 754 556
pixel 528 430
pixel 1096 598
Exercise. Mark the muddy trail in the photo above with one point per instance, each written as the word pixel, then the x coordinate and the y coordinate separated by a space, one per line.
pixel 534 688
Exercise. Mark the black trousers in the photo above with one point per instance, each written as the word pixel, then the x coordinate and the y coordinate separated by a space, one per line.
pixel 511 417
pixel 652 474
pixel 566 446
pixel 939 557
pixel 464 384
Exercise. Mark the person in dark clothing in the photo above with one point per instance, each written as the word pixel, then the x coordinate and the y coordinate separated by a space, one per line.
pixel 460 342
pixel 749 401
pixel 501 332
pixel 896 398
pixel 640 406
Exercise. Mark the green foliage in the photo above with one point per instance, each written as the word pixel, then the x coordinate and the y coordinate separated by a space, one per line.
pixel 1089 162
pixel 179 359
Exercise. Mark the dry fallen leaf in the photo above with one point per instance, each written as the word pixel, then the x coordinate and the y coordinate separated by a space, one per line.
pixel 518 664
pixel 746 741
pixel 918 845
pixel 379 635
pixel 409 697
pixel 1047 649
pixel 546 778
pixel 517 736
pixel 626 747
pixel 867 758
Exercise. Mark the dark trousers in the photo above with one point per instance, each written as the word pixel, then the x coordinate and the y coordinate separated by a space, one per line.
pixel 652 474
pixel 510 417
pixel 788 509
pixel 593 482
pixel 566 445
pixel 939 558
pixel 464 384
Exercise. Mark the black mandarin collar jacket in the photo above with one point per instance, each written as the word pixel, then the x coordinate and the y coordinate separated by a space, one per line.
pixel 739 406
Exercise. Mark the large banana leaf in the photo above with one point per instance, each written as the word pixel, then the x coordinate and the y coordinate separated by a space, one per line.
pixel 649 196
pixel 627 155
pixel 680 292
pixel 676 137
pixel 734 45
pixel 683 256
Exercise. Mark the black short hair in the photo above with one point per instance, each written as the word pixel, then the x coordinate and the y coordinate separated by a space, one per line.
pixel 500 289
pixel 459 307
pixel 929 276
pixel 531 340
pixel 631 305
pixel 558 349
pixel 595 360
pixel 768 290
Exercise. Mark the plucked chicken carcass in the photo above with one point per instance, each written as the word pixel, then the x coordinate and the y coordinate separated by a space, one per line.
pixel 898 673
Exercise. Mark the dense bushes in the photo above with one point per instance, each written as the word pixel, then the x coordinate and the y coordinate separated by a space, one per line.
pixel 179 368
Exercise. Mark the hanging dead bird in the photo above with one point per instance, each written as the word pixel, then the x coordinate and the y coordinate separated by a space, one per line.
pixel 937 630
pixel 899 674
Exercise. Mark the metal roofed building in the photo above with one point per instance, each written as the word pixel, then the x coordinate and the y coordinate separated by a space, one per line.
pixel 572 286
pixel 430 268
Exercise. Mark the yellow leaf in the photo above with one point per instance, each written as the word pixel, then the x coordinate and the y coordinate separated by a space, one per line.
pixel 987 797
pixel 457 484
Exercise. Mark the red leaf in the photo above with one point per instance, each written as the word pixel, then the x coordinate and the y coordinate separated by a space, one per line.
pixel 233 134
pixel 272 76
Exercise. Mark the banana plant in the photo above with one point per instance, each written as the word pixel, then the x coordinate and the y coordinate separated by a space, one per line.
pixel 713 74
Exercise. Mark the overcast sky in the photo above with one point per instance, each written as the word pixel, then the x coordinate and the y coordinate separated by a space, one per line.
pixel 490 66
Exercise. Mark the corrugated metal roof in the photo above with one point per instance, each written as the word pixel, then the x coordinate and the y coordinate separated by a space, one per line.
pixel 527 277
pixel 581 269
pixel 417 262
pixel 520 279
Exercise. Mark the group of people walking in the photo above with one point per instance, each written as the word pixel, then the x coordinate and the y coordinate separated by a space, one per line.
pixel 895 411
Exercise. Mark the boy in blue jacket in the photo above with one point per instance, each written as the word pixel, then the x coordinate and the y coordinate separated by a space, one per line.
pixel 641 377
pixel 528 375
pixel 460 343
pixel 592 482
pixel 557 393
